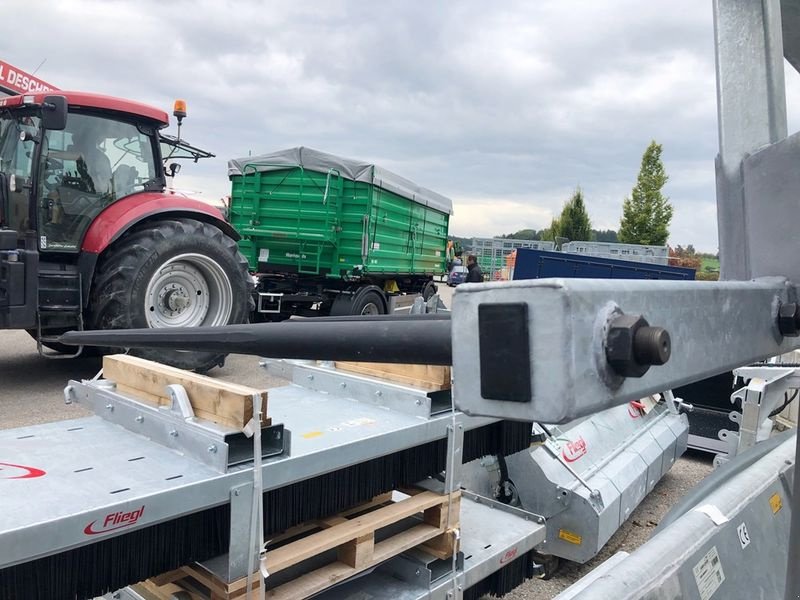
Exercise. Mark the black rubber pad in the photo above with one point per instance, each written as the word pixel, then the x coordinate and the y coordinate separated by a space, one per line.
pixel 504 352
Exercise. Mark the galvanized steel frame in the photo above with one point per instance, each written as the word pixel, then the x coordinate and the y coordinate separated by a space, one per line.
pixel 204 486
pixel 714 327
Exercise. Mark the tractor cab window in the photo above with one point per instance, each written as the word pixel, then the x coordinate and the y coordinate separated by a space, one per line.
pixel 16 159
pixel 87 166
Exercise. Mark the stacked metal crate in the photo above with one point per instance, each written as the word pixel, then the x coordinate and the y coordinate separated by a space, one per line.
pixel 492 252
pixel 658 255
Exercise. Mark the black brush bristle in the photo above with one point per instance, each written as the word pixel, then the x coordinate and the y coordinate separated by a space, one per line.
pixel 113 563
pixel 503 581
pixel 105 566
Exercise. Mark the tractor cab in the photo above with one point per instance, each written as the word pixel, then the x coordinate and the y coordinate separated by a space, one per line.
pixel 91 238
pixel 59 179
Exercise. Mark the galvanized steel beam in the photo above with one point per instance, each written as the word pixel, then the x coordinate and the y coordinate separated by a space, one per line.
pixel 751 108
pixel 714 327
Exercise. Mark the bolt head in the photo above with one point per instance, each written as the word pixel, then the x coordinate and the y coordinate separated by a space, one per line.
pixel 139 419
pixel 621 346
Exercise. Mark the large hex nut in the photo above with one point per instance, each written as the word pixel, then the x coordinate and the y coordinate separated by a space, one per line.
pixel 633 346
pixel 789 319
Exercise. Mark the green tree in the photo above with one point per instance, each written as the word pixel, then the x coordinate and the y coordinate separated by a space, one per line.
pixel 549 234
pixel 647 213
pixel 574 223
pixel 604 235
pixel 522 234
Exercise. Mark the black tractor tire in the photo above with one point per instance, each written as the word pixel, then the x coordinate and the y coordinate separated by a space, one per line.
pixel 154 273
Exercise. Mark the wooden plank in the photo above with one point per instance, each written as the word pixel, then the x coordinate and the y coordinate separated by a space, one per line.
pixel 222 402
pixel 316 543
pixel 428 377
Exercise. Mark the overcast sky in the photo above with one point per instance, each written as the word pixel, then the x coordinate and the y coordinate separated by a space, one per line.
pixel 504 107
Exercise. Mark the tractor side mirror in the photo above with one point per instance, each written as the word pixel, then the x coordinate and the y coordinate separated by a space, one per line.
pixel 174 169
pixel 54 113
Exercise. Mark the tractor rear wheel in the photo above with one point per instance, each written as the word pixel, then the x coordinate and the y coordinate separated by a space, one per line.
pixel 171 273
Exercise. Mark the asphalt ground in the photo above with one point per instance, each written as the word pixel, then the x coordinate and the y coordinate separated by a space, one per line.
pixel 31 391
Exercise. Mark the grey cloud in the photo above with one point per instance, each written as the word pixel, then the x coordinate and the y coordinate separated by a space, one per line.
pixel 517 101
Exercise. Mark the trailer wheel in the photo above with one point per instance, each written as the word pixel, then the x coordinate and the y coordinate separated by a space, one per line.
pixel 368 303
pixel 428 290
pixel 175 273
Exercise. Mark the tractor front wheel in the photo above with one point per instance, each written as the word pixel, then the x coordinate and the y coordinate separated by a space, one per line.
pixel 172 273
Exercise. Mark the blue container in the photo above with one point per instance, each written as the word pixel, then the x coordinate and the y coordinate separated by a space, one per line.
pixel 538 264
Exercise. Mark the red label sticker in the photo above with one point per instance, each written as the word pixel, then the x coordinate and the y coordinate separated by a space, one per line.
pixel 19 471
pixel 113 521
pixel 510 555
pixel 574 450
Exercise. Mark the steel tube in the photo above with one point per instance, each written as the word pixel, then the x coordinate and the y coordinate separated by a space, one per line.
pixel 402 340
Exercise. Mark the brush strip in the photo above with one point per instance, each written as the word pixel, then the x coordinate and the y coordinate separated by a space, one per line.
pixel 503 581
pixel 110 564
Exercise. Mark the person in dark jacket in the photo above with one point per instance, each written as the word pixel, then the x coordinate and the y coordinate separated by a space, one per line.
pixel 475 275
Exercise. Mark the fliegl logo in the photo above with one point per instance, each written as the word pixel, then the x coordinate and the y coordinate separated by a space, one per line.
pixel 12 471
pixel 574 450
pixel 114 521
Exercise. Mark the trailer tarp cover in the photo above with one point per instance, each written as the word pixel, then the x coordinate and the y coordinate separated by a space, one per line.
pixel 356 170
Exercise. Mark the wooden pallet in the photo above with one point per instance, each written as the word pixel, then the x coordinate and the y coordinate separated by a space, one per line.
pixel 427 377
pixel 221 402
pixel 352 534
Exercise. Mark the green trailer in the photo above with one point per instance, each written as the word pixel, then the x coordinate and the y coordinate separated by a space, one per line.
pixel 332 235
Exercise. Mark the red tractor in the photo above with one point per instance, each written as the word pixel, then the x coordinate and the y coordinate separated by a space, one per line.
pixel 90 236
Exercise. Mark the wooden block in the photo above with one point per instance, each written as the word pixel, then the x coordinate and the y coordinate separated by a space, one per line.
pixel 446 514
pixel 357 553
pixel 443 545
pixel 221 402
pixel 428 377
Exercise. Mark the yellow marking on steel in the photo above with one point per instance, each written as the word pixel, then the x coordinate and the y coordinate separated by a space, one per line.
pixel 569 536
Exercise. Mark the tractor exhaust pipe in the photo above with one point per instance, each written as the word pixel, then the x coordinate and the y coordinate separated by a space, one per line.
pixel 417 339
